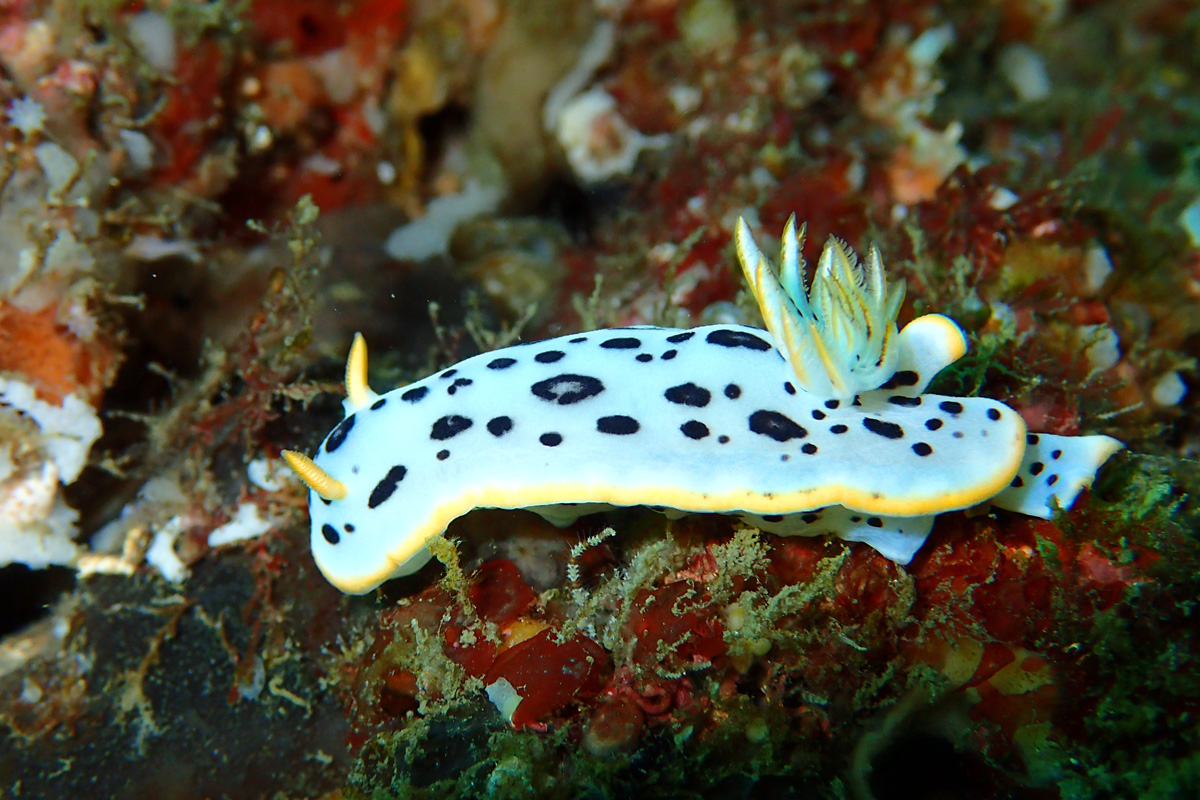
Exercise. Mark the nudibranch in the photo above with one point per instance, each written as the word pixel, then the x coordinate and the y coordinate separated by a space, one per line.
pixel 818 425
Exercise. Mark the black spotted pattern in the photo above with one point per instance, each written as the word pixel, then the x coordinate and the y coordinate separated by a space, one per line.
pixel 378 404
pixel 644 357
pixel 386 486
pixel 879 427
pixel 733 391
pixel 621 343
pixel 904 377
pixel 993 414
pixel 458 384
pixel 694 429
pixel 415 395
pixel 549 356
pixel 449 426
pixel 338 435
pixel 933 424
pixel 922 449
pixel 618 425
pixel 551 439
pixel 904 400
pixel 688 394
pixel 330 534
pixel 501 363
pixel 680 337
pixel 777 426
pixel 498 426
pixel 567 388
pixel 728 338
pixel 838 429
pixel 951 407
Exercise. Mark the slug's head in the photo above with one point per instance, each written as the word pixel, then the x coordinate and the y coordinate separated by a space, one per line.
pixel 352 535
pixel 839 335
pixel 358 395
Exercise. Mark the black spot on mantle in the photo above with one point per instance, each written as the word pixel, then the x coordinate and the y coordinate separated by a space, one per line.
pixel 415 395
pixel 567 388
pixel 386 486
pixel 777 426
pixel 888 430
pixel 904 377
pixel 728 338
pixel 904 400
pixel 688 394
pixel 618 425
pixel 338 435
pixel 449 426
pixel 621 343
pixel 498 426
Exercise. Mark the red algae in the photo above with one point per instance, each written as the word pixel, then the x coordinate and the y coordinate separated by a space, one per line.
pixel 548 674
pixel 191 104
pixel 498 593
pixel 673 628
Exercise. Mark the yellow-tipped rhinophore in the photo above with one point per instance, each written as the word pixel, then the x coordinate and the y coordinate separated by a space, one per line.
pixel 357 390
pixel 317 479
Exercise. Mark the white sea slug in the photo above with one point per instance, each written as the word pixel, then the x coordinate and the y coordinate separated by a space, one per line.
pixel 818 425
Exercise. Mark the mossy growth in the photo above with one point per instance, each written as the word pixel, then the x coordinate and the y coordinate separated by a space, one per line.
pixel 1143 663
pixel 1140 504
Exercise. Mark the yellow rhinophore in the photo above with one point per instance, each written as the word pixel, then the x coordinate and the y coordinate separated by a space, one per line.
pixel 316 478
pixel 358 393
